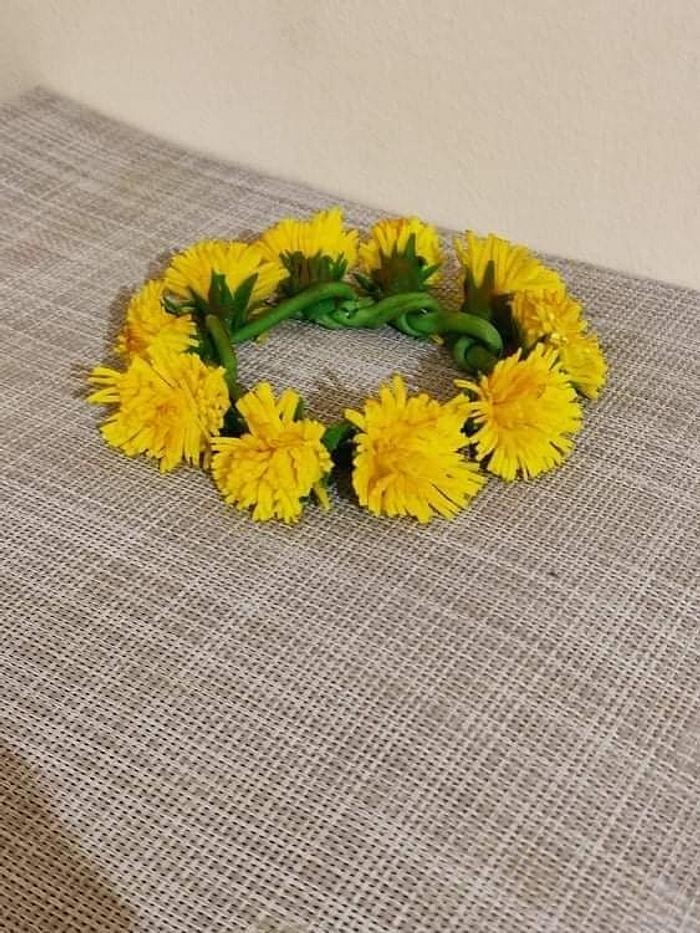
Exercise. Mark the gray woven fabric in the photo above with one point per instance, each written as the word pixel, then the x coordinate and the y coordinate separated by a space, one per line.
pixel 491 724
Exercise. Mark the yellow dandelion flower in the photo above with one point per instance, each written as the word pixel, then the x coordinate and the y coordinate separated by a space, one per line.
pixel 392 235
pixel 557 320
pixel 274 466
pixel 324 233
pixel 515 268
pixel 582 359
pixel 408 459
pixel 148 325
pixel 167 406
pixel 524 412
pixel 191 270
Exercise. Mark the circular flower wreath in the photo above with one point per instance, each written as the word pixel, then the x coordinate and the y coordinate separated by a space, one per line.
pixel 519 336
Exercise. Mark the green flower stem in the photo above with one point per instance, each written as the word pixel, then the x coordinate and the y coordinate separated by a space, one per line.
pixel 442 322
pixel 227 355
pixel 292 306
pixel 389 308
pixel 460 348
pixel 471 357
pixel 480 360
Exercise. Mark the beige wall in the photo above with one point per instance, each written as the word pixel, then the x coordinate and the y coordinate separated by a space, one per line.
pixel 572 125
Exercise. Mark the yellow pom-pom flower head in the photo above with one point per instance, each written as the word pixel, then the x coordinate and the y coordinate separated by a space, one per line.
pixel 401 255
pixel 276 463
pixel 310 251
pixel 149 326
pixel 556 319
pixel 165 405
pixel 523 414
pixel 408 455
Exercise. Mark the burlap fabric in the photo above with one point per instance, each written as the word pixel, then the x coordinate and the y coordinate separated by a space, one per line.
pixel 352 725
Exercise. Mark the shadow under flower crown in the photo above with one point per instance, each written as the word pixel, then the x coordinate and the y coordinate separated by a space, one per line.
pixel 519 337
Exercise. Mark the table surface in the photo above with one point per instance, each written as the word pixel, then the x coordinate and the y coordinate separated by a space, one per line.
pixel 354 724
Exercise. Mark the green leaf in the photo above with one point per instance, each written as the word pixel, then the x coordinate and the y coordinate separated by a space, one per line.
pixel 363 281
pixel 305 271
pixel 489 280
pixel 240 301
pixel 205 348
pixel 219 294
pixel 428 271
pixel 336 434
pixel 199 305
pixel 177 308
pixel 410 250
pixel 339 268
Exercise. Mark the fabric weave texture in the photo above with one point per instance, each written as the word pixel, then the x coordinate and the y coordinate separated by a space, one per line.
pixel 490 724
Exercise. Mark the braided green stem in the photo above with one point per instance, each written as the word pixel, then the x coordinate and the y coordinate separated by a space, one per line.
pixel 480 360
pixel 459 323
pixel 460 348
pixel 389 308
pixel 471 357
pixel 292 306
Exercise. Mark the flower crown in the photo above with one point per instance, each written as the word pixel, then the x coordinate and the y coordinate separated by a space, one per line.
pixel 520 338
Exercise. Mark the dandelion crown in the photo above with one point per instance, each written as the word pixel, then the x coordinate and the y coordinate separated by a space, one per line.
pixel 520 339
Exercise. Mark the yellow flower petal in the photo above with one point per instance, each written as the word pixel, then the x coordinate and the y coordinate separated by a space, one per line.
pixel 321 494
pixel 582 359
